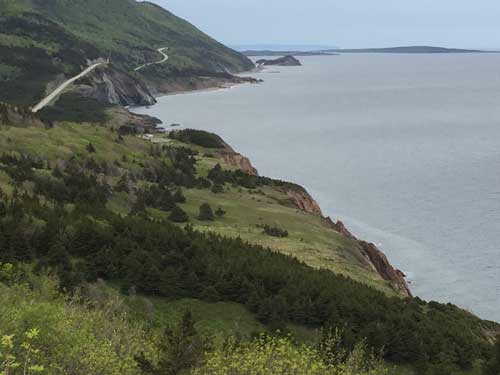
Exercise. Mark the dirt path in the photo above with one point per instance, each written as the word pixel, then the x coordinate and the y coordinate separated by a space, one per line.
pixel 165 58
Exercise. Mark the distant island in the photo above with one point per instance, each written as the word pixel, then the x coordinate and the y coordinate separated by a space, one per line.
pixel 282 61
pixel 330 52
pixel 409 49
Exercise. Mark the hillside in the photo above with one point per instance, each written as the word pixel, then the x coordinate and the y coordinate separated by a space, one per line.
pixel 94 202
pixel 42 41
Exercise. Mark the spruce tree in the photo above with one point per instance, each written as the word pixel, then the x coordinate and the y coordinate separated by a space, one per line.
pixel 178 215
pixel 206 213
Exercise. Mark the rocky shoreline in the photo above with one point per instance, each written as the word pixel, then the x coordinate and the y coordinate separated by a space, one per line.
pixel 299 197
pixel 303 201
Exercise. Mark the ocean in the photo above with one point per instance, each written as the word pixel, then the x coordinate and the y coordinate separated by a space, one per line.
pixel 405 149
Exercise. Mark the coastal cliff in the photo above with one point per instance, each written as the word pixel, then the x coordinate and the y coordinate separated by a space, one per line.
pixel 112 86
pixel 376 258
pixel 299 198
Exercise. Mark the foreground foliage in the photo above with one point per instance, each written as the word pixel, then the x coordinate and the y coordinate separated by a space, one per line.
pixel 45 331
pixel 266 356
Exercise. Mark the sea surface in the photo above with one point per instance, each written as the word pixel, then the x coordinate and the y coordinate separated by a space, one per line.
pixel 405 149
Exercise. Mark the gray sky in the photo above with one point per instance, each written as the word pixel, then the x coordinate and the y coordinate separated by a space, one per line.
pixel 346 23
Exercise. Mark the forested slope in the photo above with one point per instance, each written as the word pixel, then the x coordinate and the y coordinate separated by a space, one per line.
pixel 90 202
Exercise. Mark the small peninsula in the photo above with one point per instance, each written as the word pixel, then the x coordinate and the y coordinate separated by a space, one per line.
pixel 288 60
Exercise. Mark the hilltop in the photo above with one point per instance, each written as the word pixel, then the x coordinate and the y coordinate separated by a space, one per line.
pixel 44 41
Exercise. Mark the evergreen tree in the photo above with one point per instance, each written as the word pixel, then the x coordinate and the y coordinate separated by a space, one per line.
pixel 179 196
pixel 206 213
pixel 123 184
pixel 178 215
pixel 183 348
pixel 217 188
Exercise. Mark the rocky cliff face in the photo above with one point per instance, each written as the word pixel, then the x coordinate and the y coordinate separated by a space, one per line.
pixel 239 161
pixel 375 257
pixel 303 201
pixel 384 268
pixel 113 86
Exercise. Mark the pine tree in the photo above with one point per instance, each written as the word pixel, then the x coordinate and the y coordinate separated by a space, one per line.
pixel 179 196
pixel 183 347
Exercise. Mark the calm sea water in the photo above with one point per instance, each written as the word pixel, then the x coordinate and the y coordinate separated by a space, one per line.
pixel 405 149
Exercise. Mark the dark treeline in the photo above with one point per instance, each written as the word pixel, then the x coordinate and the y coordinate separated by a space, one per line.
pixel 159 258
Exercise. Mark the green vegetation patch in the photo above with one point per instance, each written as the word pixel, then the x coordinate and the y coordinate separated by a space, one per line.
pixel 76 108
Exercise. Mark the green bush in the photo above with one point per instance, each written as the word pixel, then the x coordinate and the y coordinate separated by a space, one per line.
pixel 199 137
pixel 269 356
pixel 65 336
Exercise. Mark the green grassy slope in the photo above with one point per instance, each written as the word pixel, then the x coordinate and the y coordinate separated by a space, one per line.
pixel 309 240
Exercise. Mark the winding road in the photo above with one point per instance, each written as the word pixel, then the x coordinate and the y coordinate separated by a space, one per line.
pixel 165 58
pixel 62 87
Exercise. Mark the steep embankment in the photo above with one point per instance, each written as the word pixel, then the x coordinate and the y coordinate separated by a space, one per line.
pixel 43 43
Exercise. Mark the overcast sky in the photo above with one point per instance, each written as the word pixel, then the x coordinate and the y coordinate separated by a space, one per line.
pixel 346 23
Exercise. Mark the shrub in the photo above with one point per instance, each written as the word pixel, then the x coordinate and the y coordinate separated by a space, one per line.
pixel 217 189
pixel 266 356
pixel 220 212
pixel 198 137
pixel 273 231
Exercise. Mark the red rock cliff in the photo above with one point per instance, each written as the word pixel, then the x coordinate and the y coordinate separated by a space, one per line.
pixel 376 258
pixel 303 201
pixel 240 161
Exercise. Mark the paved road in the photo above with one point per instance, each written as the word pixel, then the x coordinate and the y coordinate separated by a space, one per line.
pixel 61 88
pixel 165 58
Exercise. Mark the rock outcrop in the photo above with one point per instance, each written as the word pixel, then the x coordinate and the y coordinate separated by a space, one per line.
pixel 239 161
pixel 375 257
pixel 109 85
pixel 384 268
pixel 303 201
pixel 288 60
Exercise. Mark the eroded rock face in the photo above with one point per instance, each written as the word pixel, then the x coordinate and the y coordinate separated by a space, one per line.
pixel 375 257
pixel 112 86
pixel 239 161
pixel 304 202
pixel 384 268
